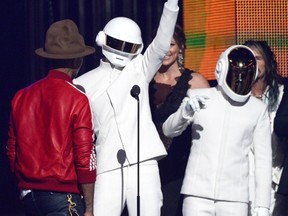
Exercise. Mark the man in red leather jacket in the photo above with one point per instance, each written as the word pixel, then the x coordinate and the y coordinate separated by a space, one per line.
pixel 50 145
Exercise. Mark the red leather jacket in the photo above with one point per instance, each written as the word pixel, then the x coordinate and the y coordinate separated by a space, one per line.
pixel 50 143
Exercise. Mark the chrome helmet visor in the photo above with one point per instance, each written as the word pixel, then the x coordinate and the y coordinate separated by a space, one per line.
pixel 122 46
pixel 241 71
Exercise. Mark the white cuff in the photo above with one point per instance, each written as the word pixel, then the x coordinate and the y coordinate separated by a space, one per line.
pixel 172 4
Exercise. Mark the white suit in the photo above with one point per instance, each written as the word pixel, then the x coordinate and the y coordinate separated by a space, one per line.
pixel 222 135
pixel 115 119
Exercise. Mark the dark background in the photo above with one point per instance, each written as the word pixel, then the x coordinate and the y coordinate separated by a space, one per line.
pixel 22 30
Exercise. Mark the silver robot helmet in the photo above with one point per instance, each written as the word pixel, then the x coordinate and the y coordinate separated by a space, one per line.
pixel 236 70
pixel 120 40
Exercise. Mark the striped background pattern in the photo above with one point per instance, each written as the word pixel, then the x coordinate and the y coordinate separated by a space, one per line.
pixel 211 26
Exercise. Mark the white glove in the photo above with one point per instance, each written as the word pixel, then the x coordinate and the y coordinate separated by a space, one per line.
pixel 261 211
pixel 196 103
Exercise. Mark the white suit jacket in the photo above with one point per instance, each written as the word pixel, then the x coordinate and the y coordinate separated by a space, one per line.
pixel 222 135
pixel 115 110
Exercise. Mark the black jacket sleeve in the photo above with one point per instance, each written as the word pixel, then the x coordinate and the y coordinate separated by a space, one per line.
pixel 281 130
pixel 281 118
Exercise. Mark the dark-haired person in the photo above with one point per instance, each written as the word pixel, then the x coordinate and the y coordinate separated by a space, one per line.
pixel 50 143
pixel 281 130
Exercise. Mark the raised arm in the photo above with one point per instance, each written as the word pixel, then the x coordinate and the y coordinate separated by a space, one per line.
pixel 160 45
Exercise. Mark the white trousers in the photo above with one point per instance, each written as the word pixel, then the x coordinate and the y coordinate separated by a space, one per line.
pixel 197 206
pixel 116 188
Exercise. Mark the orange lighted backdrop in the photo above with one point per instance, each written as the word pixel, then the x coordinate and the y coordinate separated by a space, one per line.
pixel 211 26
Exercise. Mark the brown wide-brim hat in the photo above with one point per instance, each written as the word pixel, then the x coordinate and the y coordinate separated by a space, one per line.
pixel 63 41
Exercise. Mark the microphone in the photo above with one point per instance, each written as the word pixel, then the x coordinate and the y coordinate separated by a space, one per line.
pixel 135 91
